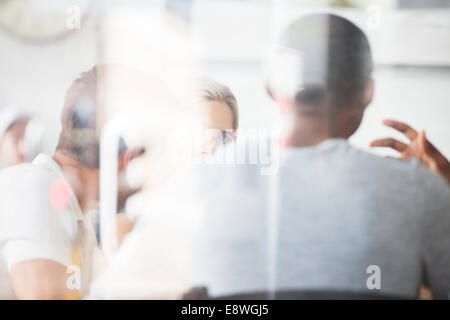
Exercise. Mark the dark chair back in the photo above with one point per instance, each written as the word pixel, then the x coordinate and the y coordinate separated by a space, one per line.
pixel 201 293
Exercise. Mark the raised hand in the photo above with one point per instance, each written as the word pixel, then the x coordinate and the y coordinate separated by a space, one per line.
pixel 419 148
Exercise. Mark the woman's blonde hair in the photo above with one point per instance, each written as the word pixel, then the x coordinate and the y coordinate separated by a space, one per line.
pixel 211 90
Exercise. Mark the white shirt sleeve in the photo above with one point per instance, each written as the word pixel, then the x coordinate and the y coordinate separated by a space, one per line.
pixel 30 227
pixel 19 250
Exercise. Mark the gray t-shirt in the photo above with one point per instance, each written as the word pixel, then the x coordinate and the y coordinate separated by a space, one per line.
pixel 332 218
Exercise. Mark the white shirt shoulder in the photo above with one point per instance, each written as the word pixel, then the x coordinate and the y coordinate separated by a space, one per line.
pixel 38 217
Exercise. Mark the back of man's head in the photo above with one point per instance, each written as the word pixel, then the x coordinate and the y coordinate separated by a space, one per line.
pixel 78 138
pixel 336 60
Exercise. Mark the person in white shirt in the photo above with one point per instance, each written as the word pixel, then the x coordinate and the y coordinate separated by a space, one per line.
pixel 47 244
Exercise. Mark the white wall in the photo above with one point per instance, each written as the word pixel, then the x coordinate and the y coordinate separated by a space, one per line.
pixel 34 77
pixel 418 96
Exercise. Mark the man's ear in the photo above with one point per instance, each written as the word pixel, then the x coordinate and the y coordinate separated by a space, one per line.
pixel 368 93
pixel 270 92
pixel 128 155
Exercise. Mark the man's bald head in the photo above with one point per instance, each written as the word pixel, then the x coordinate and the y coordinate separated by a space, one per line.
pixel 335 57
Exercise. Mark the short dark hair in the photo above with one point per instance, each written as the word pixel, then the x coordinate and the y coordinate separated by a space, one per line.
pixel 78 138
pixel 336 58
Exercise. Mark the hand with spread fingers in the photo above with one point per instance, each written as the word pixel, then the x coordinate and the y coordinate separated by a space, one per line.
pixel 419 147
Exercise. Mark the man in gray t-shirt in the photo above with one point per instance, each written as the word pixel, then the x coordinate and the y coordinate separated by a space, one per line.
pixel 345 220
pixel 333 217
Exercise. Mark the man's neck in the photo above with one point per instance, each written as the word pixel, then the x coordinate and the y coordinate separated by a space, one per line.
pixel 308 125
pixel 306 132
pixel 84 181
